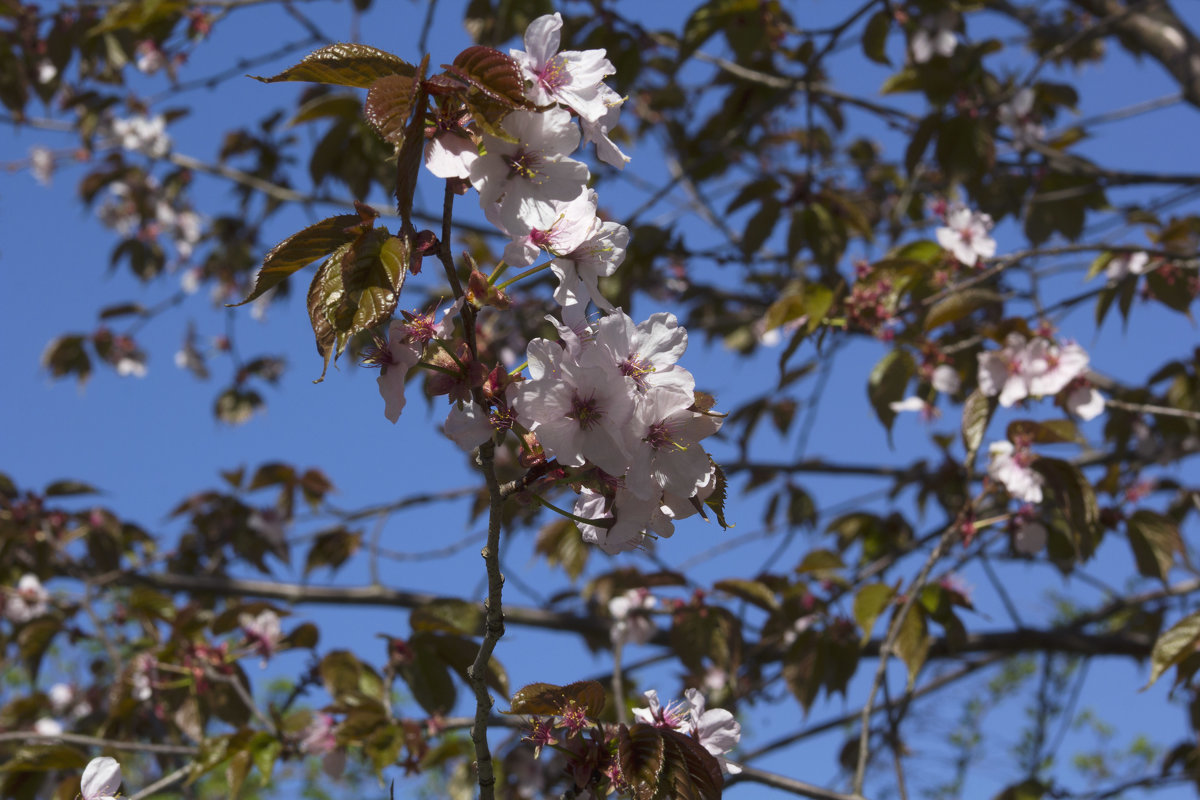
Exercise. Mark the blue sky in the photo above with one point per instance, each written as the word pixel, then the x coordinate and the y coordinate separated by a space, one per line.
pixel 148 442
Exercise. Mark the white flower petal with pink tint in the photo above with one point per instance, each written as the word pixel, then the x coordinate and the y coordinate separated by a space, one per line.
pixel 556 227
pixel 402 355
pixel 966 235
pixel 716 729
pixel 1123 264
pixel 598 256
pixel 468 426
pixel 596 131
pixel 646 353
pixel 449 155
pixel 572 77
pixel 631 623
pixel 945 379
pixel 1085 402
pixel 1010 467
pixel 634 519
pixel 101 779
pixel 29 601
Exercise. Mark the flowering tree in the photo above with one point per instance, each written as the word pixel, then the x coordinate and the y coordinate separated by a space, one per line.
pixel 944 224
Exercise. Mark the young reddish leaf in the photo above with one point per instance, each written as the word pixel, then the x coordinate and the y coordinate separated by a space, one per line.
pixel 373 272
pixel 492 72
pixel 716 500
pixel 1173 646
pixel 1155 541
pixel 411 156
pixel 301 249
pixel 689 771
pixel 751 591
pixel 324 294
pixel 66 356
pixel 389 101
pixel 640 754
pixel 344 65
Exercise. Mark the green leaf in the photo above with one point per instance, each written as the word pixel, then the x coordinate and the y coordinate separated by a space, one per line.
pixel 67 355
pixel 546 699
pixel 711 18
pixel 958 305
pixel 389 103
pixel 560 543
pixel 69 488
pixel 926 251
pixel 977 413
pixel 1173 646
pixel 1155 541
pixel 1031 789
pixel 492 72
pixel 912 643
pixel 1075 498
pixel 760 226
pixel 429 679
pixel 802 668
pixel 874 41
pixel 887 383
pixel 344 65
pixel 236 771
pixel 1051 431
pixel 34 640
pixel 301 249
pixel 716 500
pixel 332 549
pixel 818 561
pixel 869 603
pixel 754 592
pixel 450 615
pixel 459 653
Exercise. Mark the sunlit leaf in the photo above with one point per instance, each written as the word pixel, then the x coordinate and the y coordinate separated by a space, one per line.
pixel 344 65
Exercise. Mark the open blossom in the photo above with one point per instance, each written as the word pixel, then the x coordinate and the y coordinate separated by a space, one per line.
pixel 934 37
pixel 48 726
pixel 716 729
pixel 669 457
pixel 557 227
pixel 1017 116
pixel 1011 467
pixel 142 134
pixel 1029 368
pixel 917 404
pixel 263 632
pixel 1084 401
pixel 945 379
pixel 141 677
pixel 965 235
pixel 517 176
pixel 631 623
pixel 29 601
pixel 676 716
pixel 1123 264
pixel 394 358
pixel 646 352
pixel 468 425
pixel 597 131
pixel 101 779
pixel 597 256
pixel 631 518
pixel 573 78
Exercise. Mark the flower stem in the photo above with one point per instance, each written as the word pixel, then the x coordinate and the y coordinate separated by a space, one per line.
pixel 601 522
pixel 497 272
pixel 525 274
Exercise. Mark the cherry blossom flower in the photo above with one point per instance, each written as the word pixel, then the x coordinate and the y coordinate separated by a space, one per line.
pixel 556 227
pixel 633 519
pixel 534 169
pixel 141 677
pixel 571 77
pixel 716 729
pixel 101 779
pixel 597 131
pixel 965 235
pixel 60 695
pixel 29 601
pixel 670 458
pixel 468 426
pixel 676 716
pixel 46 71
pixel 394 358
pixel 450 155
pixel 150 58
pixel 142 134
pixel 646 352
pixel 41 164
pixel 1084 401
pixel 631 623
pixel 263 632
pixel 945 379
pixel 1029 368
pixel 917 404
pixel 47 726
pixel 579 410
pixel 1123 264
pixel 934 37
pixel 1010 466
pixel 599 255
pixel 1017 116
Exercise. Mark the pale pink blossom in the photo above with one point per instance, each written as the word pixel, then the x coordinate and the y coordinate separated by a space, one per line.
pixel 597 131
pixel 142 134
pixel 1085 402
pixel 935 36
pixel 101 779
pixel 1123 264
pixel 676 716
pixel 1017 116
pixel 965 235
pixel 599 255
pixel 557 227
pixel 29 601
pixel 47 726
pixel 534 169
pixel 468 426
pixel 150 58
pixel 716 729
pixel 450 155
pixel 1029 368
pixel 401 354
pixel 1010 466
pixel 917 404
pixel 945 379
pixel 669 457
pixel 631 520
pixel 631 620
pixel 646 352
pixel 41 164
pixel 573 78
pixel 263 632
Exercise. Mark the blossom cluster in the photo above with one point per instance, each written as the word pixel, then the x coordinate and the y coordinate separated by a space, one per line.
pixel 716 729
pixel 605 406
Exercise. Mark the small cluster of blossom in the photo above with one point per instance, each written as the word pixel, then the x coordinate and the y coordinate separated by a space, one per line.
pixel 101 779
pixel 966 235
pixel 142 134
pixel 1039 367
pixel 607 399
pixel 934 36
pixel 141 207
pixel 631 620
pixel 715 729
pixel 1017 115
pixel 28 601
